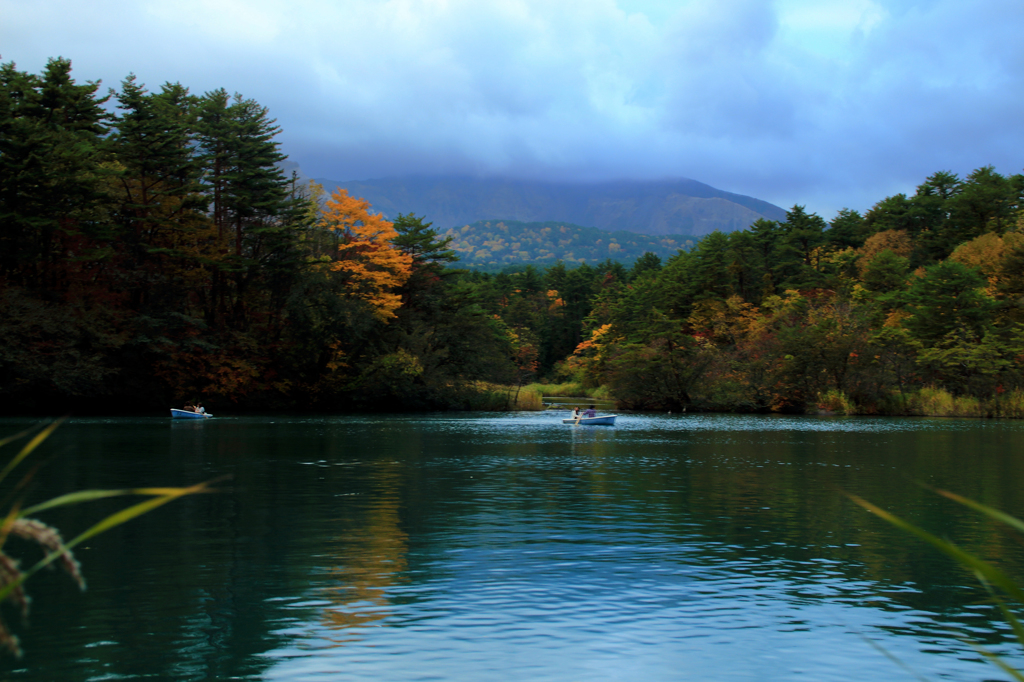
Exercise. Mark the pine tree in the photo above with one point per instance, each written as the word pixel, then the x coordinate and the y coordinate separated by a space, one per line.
pixel 158 188
pixel 51 151
pixel 256 215
pixel 803 233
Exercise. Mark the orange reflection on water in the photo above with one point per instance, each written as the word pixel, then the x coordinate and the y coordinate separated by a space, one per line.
pixel 371 558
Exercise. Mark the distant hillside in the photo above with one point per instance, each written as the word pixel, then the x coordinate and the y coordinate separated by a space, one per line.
pixel 492 244
pixel 675 207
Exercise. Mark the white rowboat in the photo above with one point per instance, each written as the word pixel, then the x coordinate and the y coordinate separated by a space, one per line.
pixel 185 414
pixel 605 420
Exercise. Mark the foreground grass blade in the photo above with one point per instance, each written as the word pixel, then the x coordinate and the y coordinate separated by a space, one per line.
pixel 885 652
pixel 29 447
pixel 115 519
pixel 1014 622
pixel 130 513
pixel 988 574
pixel 5 529
pixel 91 495
pixel 984 570
pixel 997 660
pixel 17 436
pixel 990 512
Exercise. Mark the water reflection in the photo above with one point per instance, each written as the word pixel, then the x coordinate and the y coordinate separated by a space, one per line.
pixel 486 546
pixel 371 558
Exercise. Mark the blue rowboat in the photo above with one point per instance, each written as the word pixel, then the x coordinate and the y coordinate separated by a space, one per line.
pixel 606 420
pixel 185 414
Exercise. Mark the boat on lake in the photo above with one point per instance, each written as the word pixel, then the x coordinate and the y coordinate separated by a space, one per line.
pixel 603 420
pixel 186 414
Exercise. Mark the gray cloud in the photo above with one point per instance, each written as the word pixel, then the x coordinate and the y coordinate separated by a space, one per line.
pixel 826 103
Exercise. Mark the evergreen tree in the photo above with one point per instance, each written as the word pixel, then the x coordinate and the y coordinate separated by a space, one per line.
pixel 847 229
pixel 746 266
pixel 158 192
pixel 259 220
pixel 986 202
pixel 949 298
pixel 765 237
pixel 892 213
pixel 712 276
pixel 610 271
pixel 51 173
pixel 421 241
pixel 798 253
pixel 647 263
pixel 886 273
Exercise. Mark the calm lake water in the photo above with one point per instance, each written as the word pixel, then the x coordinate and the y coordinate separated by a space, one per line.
pixel 510 547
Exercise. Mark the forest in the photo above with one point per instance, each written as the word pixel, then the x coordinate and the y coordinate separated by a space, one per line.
pixel 492 245
pixel 152 252
pixel 916 307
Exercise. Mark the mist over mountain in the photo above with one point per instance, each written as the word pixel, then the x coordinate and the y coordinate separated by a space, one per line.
pixel 667 207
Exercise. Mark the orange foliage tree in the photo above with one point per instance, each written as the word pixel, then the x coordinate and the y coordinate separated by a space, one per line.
pixel 373 266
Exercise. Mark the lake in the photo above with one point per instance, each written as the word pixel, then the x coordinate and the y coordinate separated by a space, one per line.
pixel 485 546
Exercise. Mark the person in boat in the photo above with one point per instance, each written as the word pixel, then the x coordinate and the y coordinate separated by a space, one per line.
pixel 190 408
pixel 200 409
pixel 576 413
pixel 590 412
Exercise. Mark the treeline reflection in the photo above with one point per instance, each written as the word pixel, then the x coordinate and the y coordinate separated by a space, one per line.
pixel 330 528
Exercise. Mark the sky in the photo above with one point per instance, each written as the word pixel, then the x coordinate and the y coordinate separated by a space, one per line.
pixel 822 103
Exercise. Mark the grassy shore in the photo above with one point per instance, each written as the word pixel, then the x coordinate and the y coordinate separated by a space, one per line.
pixel 930 402
pixel 570 389
pixel 498 398
pixel 925 402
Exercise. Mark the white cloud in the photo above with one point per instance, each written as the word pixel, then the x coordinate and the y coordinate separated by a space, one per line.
pixel 229 22
pixel 822 103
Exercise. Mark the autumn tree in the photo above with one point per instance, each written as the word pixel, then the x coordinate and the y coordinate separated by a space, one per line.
pixel 372 267
pixel 896 242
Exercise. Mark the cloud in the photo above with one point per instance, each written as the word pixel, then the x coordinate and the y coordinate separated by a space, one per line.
pixel 826 103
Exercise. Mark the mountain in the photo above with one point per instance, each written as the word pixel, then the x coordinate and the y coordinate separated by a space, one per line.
pixel 668 207
pixel 493 244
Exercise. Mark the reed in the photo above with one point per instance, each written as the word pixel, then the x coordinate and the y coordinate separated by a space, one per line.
pixel 487 397
pixel 938 402
pixel 529 400
pixel 837 402
pixel 566 388
pixel 18 524
pixel 600 393
pixel 570 389
pixel 1009 404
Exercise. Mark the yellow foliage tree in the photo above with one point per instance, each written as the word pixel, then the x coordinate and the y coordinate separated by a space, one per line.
pixel 373 265
pixel 897 241
pixel 987 254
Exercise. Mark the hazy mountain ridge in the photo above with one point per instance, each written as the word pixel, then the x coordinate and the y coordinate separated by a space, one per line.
pixel 669 207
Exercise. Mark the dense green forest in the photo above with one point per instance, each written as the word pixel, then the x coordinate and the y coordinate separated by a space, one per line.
pixel 916 307
pixel 492 244
pixel 152 252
